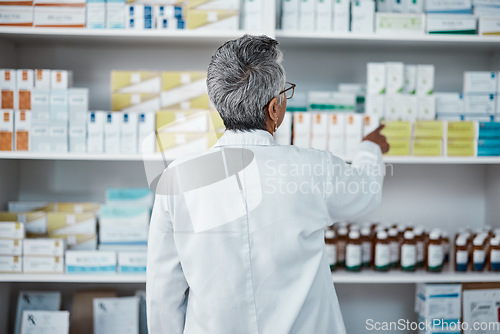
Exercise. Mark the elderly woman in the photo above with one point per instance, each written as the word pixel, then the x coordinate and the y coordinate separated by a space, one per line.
pixel 237 233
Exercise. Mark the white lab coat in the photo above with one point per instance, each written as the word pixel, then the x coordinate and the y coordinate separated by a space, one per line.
pixel 236 243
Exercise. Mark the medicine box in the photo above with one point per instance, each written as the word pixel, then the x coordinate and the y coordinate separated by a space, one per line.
pixel 146 135
pixel 488 147
pixel 79 241
pixel 363 16
pixel 307 15
pixel 252 15
pixel 427 147
pixel 11 247
pixel 134 102
pixel 429 129
pixel 128 132
pixel 42 79
pixel 425 80
pixel 112 134
pixel 426 106
pixel 409 108
pixel 71 223
pixel 394 78
pixel 480 104
pixel 40 104
pixel 11 229
pixel 184 121
pixel 44 247
pixel 480 306
pixel 74 207
pixel 341 15
pixel 130 215
pixel 449 103
pixel 290 15
pixel 95 131
pixel 18 16
pixel 58 136
pixel 59 107
pixel 354 126
pixel 78 138
pixel 394 107
pixel 462 130
pixel 331 101
pixel 7 88
pixel 439 301
pixel 489 25
pixel 90 262
pixel 25 80
pixel 132 262
pixel 222 19
pixel 40 138
pixel 135 82
pixel 375 105
pixel 319 139
pixel 480 82
pixel 132 235
pixel 399 147
pixel 461 147
pixel 184 90
pixel 59 16
pixel 376 78
pixel 410 79
pixel 61 79
pixel 11 264
pixel 22 127
pixel 43 264
pixel 96 14
pixel 34 222
pixel 78 102
pixel 489 130
pixel 324 15
pixel 302 129
pixel 448 6
pixel 399 23
pixel 115 14
pixel 6 130
pixel 451 24
pixel 395 129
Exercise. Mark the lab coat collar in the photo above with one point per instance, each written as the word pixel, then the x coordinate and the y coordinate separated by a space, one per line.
pixel 237 138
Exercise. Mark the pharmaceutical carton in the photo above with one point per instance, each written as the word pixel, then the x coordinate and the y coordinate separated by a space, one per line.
pixel 25 80
pixel 12 247
pixel 61 79
pixel 410 79
pixel 40 138
pixel 40 104
pixel 43 264
pixel 363 16
pixel 11 229
pixel 170 23
pixel 394 107
pixel 290 15
pixel 341 16
pixel 78 103
pixel 302 129
pixel 354 126
pixel 120 313
pixel 132 235
pixel 425 80
pixel 426 106
pixel 11 264
pixel 95 131
pixel 450 117
pixel 462 130
pixel 71 223
pixel 427 147
pixel 137 197
pixel 77 138
pixel 17 16
pixel 449 103
pixel 123 248
pixel 139 23
pixel 451 24
pixel 324 15
pixel 7 88
pixel 184 90
pixel 394 78
pixel 180 121
pixel 132 262
pixel 132 102
pixel 283 135
pixel 252 15
pixel 331 101
pixel 399 23
pixel 399 147
pixel 59 107
pixel 112 132
pixel 489 130
pixel 44 247
pixel 22 128
pixel 22 206
pixel 168 12
pixel 439 301
pixel 307 15
pixel 489 25
pixel 488 147
pixel 461 147
pixel 128 133
pixel 90 262
pixel 484 104
pixel 375 105
pixel 319 127
pixel 96 14
pixel 73 207
pixel 146 135
pixel 448 6
pixel 409 108
pixel 480 306
pixel 486 11
pixel 115 14
pixel 213 4
pixel 212 19
pixel 42 79
pixel 429 129
pixel 397 129
pixel 376 79
pixel 370 123
pixel 36 300
pixel 79 241
pixel 59 16
pixel 58 136
pixel 126 216
pixel 6 130
pixel 480 82
pixel 413 6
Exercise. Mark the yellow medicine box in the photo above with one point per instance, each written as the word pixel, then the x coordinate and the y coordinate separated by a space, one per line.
pixel 74 207
pixel 129 102
pixel 184 90
pixel 212 19
pixel 429 129
pixel 69 223
pixel 462 130
pixel 35 222
pixel 182 121
pixel 399 147
pixel 135 82
pixel 397 129
pixel 184 143
pixel 461 148
pixel 427 147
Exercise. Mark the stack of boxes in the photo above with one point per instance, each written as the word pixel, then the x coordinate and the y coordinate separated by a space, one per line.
pixel 170 17
pixel 489 139
pixel 213 14
pixel 43 256
pixel 34 220
pixel 57 13
pixel 78 229
pixel 480 90
pixel 12 235
pixel 428 138
pixel 398 134
pixel 488 13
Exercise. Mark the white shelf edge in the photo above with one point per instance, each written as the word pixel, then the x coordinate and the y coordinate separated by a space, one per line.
pixel 73 278
pixel 425 38
pixel 159 157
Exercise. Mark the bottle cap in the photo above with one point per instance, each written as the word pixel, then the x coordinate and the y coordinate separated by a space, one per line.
pixel 393 232
pixel 461 241
pixel 435 234
pixel 382 235
pixel 418 231
pixel 409 235
pixel 401 227
pixel 478 241
pixel 329 234
pixel 354 234
pixel 342 231
pixel 495 241
pixel 354 227
pixel 365 231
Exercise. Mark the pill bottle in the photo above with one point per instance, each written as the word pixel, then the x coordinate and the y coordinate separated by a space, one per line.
pixel 366 247
pixel 342 239
pixel 394 246
pixel 445 239
pixel 461 254
pixel 420 245
pixel 434 252
pixel 381 258
pixel 494 254
pixel 479 253
pixel 331 248
pixel 353 252
pixel 409 252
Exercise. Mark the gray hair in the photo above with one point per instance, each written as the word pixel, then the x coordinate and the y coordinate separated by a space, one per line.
pixel 243 76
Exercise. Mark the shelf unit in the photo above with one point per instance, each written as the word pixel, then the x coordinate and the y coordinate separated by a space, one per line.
pixel 434 191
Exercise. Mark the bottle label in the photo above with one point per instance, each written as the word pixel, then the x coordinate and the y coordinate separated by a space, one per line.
pixel 353 256
pixel 331 254
pixel 435 256
pixel 341 251
pixel 478 256
pixel 408 256
pixel 495 259
pixel 462 257
pixel 366 252
pixel 420 251
pixel 382 256
pixel 394 252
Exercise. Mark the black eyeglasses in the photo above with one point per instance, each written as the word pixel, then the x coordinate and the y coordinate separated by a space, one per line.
pixel 289 86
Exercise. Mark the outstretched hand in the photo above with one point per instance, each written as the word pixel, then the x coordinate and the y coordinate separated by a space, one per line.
pixel 378 138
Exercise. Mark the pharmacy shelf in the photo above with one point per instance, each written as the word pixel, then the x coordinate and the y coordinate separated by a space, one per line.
pixel 404 160
pixel 76 35
pixel 291 38
pixel 338 276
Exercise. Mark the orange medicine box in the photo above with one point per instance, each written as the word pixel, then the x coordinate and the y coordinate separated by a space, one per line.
pixel 7 88
pixel 22 125
pixel 6 130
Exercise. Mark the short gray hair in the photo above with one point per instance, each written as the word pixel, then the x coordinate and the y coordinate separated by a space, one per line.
pixel 243 76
